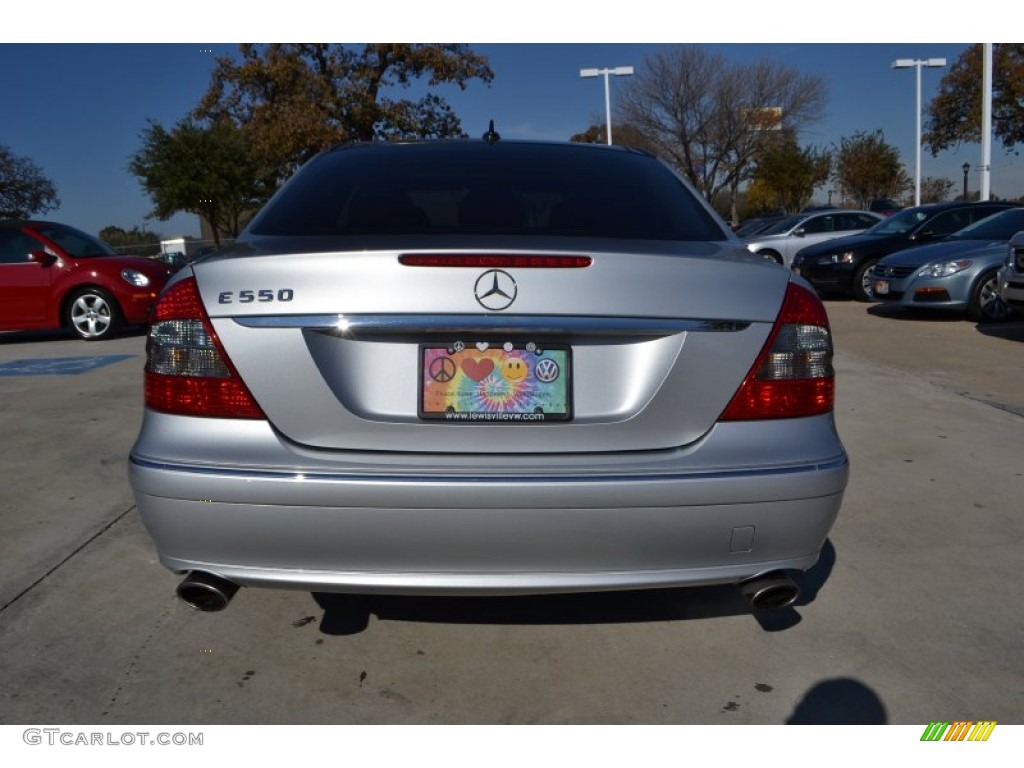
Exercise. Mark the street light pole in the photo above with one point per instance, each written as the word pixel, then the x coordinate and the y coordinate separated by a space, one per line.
pixel 966 167
pixel 917 64
pixel 607 91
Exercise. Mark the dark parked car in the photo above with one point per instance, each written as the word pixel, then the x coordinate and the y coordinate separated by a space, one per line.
pixel 844 265
pixel 54 276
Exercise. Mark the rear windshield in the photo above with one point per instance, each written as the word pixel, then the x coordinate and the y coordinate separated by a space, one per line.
pixel 477 189
pixel 998 226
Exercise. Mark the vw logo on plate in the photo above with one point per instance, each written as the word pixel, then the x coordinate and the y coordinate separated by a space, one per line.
pixel 547 370
pixel 495 289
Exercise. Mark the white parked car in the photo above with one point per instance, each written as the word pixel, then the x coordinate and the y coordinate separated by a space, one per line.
pixel 781 241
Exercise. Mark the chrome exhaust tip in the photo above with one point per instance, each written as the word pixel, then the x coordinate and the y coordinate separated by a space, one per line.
pixel 770 592
pixel 206 592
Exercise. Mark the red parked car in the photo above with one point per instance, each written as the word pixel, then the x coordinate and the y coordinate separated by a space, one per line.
pixel 54 276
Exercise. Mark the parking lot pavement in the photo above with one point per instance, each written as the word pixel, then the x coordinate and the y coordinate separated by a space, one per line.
pixel 911 616
pixel 65 438
pixel 982 362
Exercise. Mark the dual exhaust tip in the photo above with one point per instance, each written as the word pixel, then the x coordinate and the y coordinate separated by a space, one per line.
pixel 769 592
pixel 207 592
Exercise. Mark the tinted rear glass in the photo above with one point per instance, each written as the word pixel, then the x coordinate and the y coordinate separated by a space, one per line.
pixel 999 226
pixel 473 188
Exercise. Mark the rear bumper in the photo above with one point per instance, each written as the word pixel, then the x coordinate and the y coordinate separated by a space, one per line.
pixel 512 525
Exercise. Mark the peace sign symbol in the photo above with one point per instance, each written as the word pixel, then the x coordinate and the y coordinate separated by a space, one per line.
pixel 442 369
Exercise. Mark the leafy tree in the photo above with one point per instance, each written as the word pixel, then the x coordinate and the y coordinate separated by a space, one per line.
pixel 24 190
pixel 934 189
pixel 710 118
pixel 292 100
pixel 759 199
pixel 116 237
pixel 954 115
pixel 205 170
pixel 785 174
pixel 623 135
pixel 867 167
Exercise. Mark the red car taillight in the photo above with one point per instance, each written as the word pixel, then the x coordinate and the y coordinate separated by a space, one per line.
pixel 793 375
pixel 187 371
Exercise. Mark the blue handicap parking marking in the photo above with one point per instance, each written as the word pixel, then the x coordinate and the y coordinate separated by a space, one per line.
pixel 58 366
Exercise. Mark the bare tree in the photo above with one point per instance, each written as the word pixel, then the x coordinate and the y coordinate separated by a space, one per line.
pixel 709 117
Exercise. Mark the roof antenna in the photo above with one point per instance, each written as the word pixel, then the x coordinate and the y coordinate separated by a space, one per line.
pixel 491 137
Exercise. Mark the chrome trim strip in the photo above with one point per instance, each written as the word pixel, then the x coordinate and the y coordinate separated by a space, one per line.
pixel 258 474
pixel 454 325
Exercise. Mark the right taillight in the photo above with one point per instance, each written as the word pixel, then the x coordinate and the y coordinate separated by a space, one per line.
pixel 187 371
pixel 793 375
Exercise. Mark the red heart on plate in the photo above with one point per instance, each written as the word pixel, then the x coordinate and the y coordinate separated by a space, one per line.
pixel 478 370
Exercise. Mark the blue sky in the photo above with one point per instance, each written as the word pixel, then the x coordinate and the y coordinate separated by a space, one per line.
pixel 77 108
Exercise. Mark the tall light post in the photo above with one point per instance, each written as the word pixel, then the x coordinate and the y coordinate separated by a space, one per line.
pixel 917 64
pixel 607 92
pixel 966 169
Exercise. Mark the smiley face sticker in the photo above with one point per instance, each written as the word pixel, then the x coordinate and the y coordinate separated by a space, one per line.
pixel 514 369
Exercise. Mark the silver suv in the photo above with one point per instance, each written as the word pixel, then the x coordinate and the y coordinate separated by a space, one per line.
pixel 1011 276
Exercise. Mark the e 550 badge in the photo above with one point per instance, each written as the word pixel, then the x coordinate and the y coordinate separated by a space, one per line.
pixel 261 295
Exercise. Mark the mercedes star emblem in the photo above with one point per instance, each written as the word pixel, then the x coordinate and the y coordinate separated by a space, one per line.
pixel 495 289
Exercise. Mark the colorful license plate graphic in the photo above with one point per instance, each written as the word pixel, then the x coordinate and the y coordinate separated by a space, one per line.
pixel 495 383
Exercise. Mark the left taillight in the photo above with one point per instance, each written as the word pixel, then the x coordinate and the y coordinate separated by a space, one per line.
pixel 793 375
pixel 188 373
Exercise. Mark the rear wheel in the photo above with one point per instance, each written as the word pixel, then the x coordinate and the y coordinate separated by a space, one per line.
pixel 985 305
pixel 862 290
pixel 93 314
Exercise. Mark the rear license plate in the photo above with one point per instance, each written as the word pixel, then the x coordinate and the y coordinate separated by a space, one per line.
pixel 495 383
pixel 881 286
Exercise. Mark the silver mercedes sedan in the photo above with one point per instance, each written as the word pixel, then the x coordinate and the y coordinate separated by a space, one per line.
pixel 488 367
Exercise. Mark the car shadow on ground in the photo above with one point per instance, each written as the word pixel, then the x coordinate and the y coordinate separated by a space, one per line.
pixel 1011 330
pixel 346 614
pixel 63 334
pixel 28 337
pixel 905 313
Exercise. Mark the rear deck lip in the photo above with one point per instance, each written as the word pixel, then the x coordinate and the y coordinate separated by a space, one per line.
pixel 447 325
